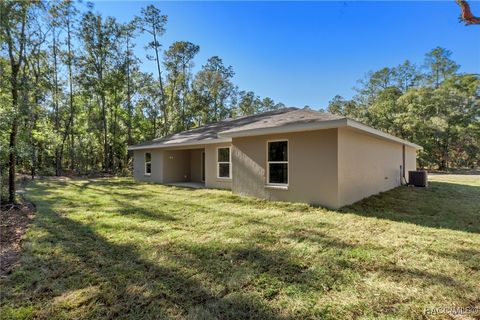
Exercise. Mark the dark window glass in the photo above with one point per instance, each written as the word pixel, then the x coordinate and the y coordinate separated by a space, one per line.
pixel 278 151
pixel 203 166
pixel 224 170
pixel 148 168
pixel 224 155
pixel 148 157
pixel 278 173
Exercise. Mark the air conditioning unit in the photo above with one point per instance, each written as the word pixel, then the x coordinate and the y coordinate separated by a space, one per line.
pixel 418 178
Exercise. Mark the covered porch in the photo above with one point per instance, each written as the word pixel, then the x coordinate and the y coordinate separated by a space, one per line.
pixel 184 167
pixel 189 166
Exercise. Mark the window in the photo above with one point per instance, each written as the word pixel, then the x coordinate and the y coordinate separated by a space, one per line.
pixel 223 163
pixel 277 162
pixel 148 163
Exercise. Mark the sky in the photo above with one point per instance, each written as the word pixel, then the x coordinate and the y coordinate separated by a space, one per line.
pixel 305 53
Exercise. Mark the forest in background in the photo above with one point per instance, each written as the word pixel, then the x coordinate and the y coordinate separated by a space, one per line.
pixel 72 95
pixel 432 105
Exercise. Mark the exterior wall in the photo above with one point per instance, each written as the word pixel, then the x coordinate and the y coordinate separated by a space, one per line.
pixel 410 160
pixel 332 168
pixel 168 166
pixel 312 167
pixel 176 166
pixel 368 165
pixel 139 165
pixel 211 180
pixel 196 165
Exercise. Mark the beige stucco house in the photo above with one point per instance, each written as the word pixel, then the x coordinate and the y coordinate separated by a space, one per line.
pixel 297 155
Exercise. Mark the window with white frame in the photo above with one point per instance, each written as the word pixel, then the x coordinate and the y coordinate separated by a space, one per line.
pixel 277 167
pixel 223 163
pixel 148 163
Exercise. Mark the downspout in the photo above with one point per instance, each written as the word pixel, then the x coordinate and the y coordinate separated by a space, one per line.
pixel 403 180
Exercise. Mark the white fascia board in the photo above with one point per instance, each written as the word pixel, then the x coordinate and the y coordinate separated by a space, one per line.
pixel 180 144
pixel 297 127
pixel 357 125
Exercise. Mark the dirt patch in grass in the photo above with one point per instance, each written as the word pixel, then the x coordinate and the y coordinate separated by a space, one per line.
pixel 14 222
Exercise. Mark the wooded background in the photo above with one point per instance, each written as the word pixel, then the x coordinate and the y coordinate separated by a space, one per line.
pixel 72 95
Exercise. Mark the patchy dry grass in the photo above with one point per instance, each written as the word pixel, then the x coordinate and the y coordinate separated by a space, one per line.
pixel 118 249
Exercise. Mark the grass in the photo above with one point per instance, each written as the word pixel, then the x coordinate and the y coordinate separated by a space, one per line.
pixel 118 249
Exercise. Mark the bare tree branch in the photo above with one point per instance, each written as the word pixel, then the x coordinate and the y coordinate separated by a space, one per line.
pixel 467 17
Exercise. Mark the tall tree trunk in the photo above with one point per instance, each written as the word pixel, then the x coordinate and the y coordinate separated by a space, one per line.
pixel 58 150
pixel 71 100
pixel 162 92
pixel 184 95
pixel 111 157
pixel 129 101
pixel 12 158
pixel 105 133
pixel 154 126
pixel 172 94
pixel 13 133
pixel 33 116
pixel 114 145
pixel 15 65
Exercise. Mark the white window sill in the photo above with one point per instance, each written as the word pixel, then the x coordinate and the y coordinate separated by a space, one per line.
pixel 276 187
pixel 224 179
pixel 147 175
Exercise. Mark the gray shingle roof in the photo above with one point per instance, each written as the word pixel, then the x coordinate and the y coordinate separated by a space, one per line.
pixel 278 121
pixel 292 117
pixel 211 131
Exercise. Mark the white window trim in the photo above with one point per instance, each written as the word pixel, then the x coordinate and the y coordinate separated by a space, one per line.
pixel 145 164
pixel 229 163
pixel 281 186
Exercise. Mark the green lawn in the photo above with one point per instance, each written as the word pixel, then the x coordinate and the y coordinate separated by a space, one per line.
pixel 118 249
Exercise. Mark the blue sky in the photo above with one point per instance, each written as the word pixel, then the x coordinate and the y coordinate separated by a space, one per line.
pixel 304 53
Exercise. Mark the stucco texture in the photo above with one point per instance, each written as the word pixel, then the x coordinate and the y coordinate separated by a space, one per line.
pixel 211 180
pixel 196 165
pixel 139 165
pixel 312 167
pixel 369 165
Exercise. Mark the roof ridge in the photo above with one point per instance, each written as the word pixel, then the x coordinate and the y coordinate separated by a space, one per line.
pixel 286 109
pixel 261 113
pixel 212 124
pixel 211 131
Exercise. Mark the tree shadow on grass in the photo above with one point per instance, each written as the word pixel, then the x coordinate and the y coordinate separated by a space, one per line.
pixel 70 268
pixel 70 257
pixel 468 257
pixel 170 209
pixel 137 192
pixel 440 205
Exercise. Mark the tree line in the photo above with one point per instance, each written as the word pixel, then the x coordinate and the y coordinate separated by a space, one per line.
pixel 73 96
pixel 432 105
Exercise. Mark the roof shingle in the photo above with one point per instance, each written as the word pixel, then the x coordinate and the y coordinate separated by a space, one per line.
pixel 278 121
pixel 293 116
pixel 262 120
